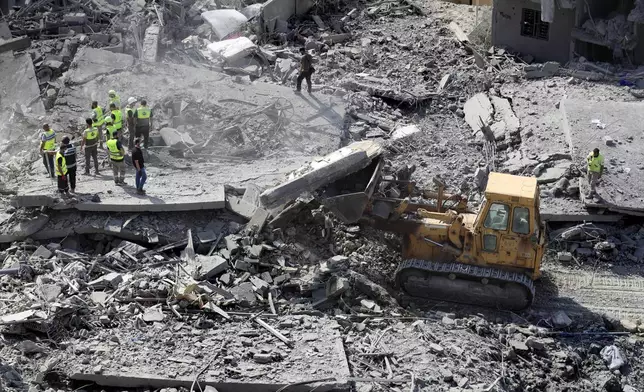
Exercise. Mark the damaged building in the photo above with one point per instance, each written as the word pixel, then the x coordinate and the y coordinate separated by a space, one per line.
pixel 562 30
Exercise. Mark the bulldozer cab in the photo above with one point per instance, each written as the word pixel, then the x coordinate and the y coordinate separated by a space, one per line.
pixel 508 227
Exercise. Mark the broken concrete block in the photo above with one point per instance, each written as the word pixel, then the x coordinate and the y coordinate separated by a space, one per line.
pixel 535 71
pixel 244 294
pixel 261 286
pixel 257 221
pixel 240 207
pixel 336 286
pixel 151 43
pixel 242 265
pixel 263 358
pixel 519 347
pixel 154 314
pixel 50 292
pixel 113 279
pixel 480 178
pixel 19 43
pixel 231 243
pixel 255 251
pixel 42 253
pixel 75 18
pixel 176 140
pixel 281 279
pixel 210 266
pixel 564 256
pixel 232 49
pixel 561 320
pixel 503 112
pixel 478 112
pixel 223 22
pixel 405 132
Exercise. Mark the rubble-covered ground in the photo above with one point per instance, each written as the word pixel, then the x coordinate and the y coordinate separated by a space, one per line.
pixel 170 301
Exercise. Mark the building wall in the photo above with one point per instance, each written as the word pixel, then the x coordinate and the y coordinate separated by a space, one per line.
pixel 506 31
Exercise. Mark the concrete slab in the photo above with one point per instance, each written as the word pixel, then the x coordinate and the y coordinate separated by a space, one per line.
pixel 478 112
pixel 20 91
pixel 131 364
pixel 586 124
pixel 22 229
pixel 89 63
pixel 224 21
pixel 151 43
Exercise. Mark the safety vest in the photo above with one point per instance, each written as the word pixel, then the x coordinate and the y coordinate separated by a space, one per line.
pixel 143 115
pixel 115 153
pixel 111 128
pixel 98 112
pixel 49 137
pixel 118 121
pixel 116 101
pixel 595 163
pixel 62 171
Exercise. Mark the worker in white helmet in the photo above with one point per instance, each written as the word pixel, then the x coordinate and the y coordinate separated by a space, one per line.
pixel 114 99
pixel 129 115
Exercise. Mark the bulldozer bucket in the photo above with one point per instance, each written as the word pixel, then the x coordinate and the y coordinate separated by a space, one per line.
pixel 345 201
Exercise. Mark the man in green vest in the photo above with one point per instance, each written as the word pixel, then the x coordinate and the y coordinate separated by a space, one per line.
pixel 97 114
pixel 117 155
pixel 117 117
pixel 143 122
pixel 595 169
pixel 61 171
pixel 129 115
pixel 92 137
pixel 114 99
pixel 48 148
pixel 109 127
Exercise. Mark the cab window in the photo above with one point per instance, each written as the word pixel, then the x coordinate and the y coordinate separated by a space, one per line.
pixel 497 217
pixel 521 220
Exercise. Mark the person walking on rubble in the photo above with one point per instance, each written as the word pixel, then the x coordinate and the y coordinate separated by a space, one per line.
pixel 139 166
pixel 595 169
pixel 306 70
pixel 129 116
pixel 62 171
pixel 117 155
pixel 48 148
pixel 97 115
pixel 92 137
pixel 143 122
pixel 70 161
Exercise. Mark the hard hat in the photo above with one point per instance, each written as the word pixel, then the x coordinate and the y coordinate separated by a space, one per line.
pixel 131 100
pixel 111 92
pixel 108 119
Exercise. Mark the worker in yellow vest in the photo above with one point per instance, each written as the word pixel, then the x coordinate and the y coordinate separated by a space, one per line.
pixel 595 169
pixel 48 149
pixel 61 171
pixel 117 155
pixel 97 115
pixel 114 99
pixel 117 118
pixel 92 137
pixel 143 122
pixel 109 127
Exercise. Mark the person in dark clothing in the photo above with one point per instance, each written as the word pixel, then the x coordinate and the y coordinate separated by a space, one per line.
pixel 306 70
pixel 70 160
pixel 139 166
pixel 61 171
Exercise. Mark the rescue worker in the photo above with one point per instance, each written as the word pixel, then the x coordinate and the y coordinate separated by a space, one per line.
pixel 117 155
pixel 595 169
pixel 97 115
pixel 70 162
pixel 139 166
pixel 91 139
pixel 48 149
pixel 306 70
pixel 129 116
pixel 61 171
pixel 114 99
pixel 110 128
pixel 117 119
pixel 143 122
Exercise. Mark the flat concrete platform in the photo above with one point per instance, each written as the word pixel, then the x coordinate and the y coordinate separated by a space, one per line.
pixel 616 129
pixel 171 354
pixel 570 210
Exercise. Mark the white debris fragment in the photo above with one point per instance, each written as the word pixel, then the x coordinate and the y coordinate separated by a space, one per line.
pixel 598 123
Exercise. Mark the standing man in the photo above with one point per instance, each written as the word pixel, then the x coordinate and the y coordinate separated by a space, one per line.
pixel 595 169
pixel 139 166
pixel 129 115
pixel 91 139
pixel 143 122
pixel 117 117
pixel 48 149
pixel 114 99
pixel 70 162
pixel 117 154
pixel 110 128
pixel 61 172
pixel 97 115
pixel 306 70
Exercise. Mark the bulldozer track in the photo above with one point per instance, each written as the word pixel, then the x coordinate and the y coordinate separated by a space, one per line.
pixel 470 273
pixel 582 292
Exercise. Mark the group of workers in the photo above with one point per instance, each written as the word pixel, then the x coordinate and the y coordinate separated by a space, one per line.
pixel 61 162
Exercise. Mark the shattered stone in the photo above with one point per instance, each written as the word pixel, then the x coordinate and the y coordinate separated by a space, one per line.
pixel 561 320
pixel 244 294
pixel 519 347
pixel 535 344
pixel 210 266
pixel 154 314
pixel 336 286
pixel 263 358
pixel 260 285
pixel 629 325
pixel 436 348
pixel 564 256
pixel 41 253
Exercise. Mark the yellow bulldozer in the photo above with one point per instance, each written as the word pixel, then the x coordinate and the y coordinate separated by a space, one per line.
pixel 449 253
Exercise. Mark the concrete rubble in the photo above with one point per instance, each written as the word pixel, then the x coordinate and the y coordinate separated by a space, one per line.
pixel 231 274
